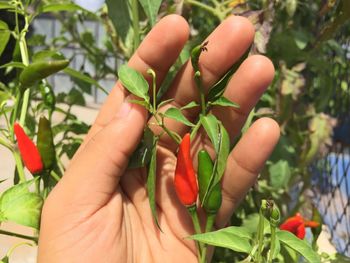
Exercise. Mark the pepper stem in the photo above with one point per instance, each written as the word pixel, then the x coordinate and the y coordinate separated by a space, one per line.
pixel 197 228
pixel 208 227
pixel 260 236
pixel 19 166
pixel 273 243
pixel 34 239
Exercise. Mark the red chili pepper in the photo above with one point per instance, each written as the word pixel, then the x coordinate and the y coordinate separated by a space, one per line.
pixel 297 224
pixel 30 154
pixel 185 176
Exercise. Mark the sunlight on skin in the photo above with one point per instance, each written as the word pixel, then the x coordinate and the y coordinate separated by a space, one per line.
pixel 99 212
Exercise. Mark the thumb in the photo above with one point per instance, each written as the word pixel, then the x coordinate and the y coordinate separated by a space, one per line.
pixel 94 175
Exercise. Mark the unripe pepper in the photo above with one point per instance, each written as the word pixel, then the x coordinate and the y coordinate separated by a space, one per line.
pixel 185 177
pixel 40 70
pixel 45 143
pixel 29 152
pixel 205 170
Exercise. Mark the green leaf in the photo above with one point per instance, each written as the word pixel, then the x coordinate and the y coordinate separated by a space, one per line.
pixel 75 97
pixel 219 87
pixel 4 260
pixel 222 155
pixel 231 237
pixel 291 7
pixel 142 155
pixel 190 105
pixel 13 64
pixel 70 7
pixel 277 249
pixel 4 35
pixel 164 103
pixel 176 114
pixel 4 96
pixel 19 205
pixel 119 13
pixel 222 152
pixel 222 101
pixel 143 103
pixel 151 8
pixel 134 82
pixel 280 174
pixel 45 55
pixel 78 75
pixel 248 121
pixel 6 5
pixel 301 246
pixel 151 183
pixel 210 124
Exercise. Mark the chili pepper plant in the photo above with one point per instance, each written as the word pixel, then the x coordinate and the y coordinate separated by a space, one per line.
pixel 199 188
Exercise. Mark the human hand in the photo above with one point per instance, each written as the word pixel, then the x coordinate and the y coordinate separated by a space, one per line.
pixel 99 211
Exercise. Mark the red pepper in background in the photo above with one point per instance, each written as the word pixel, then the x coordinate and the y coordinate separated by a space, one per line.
pixel 297 224
pixel 185 177
pixel 29 152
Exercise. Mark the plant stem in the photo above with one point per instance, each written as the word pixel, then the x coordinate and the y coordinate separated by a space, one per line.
pixel 34 239
pixel 24 108
pixel 197 79
pixel 161 124
pixel 203 6
pixel 55 175
pixel 25 59
pixel 197 228
pixel 260 237
pixel 154 88
pixel 208 227
pixel 210 222
pixel 135 23
pixel 19 166
pixel 273 243
pixel 10 251
pixel 5 143
pixel 195 129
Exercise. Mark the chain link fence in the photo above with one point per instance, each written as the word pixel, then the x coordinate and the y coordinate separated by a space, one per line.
pixel 331 174
pixel 51 28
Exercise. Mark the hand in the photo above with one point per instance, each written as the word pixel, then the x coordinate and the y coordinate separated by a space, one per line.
pixel 99 211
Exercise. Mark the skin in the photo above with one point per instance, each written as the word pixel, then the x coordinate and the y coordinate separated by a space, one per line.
pixel 99 211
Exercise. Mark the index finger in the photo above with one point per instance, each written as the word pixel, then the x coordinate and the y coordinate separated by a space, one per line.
pixel 159 50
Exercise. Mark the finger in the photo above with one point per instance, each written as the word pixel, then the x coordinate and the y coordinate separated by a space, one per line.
pixel 159 50
pixel 93 176
pixel 245 88
pixel 244 164
pixel 226 45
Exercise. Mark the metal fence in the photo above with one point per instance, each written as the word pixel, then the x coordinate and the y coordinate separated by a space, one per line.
pixel 49 27
pixel 331 174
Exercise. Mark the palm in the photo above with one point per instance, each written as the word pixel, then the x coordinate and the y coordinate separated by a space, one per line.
pixel 100 213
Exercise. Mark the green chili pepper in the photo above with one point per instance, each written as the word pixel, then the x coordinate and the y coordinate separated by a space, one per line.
pixel 195 53
pixel 40 70
pixel 205 170
pixel 45 143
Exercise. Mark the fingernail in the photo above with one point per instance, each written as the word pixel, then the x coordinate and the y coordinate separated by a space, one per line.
pixel 124 110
